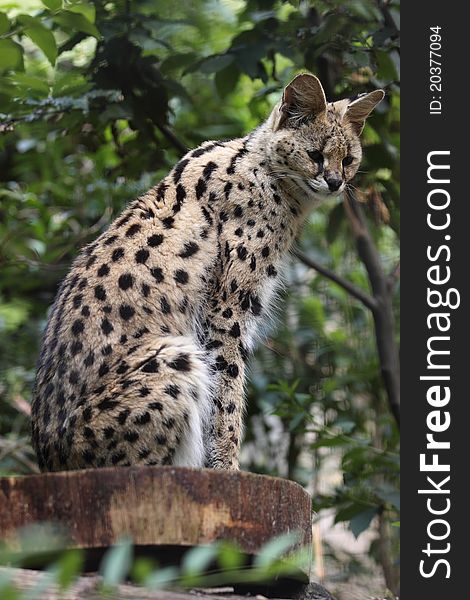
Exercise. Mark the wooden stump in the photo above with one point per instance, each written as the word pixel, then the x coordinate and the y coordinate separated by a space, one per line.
pixel 164 510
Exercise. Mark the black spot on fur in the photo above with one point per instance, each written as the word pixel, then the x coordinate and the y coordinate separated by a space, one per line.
pixel 165 305
pixel 117 254
pixel 255 305
pixel 201 151
pixel 181 276
pixel 172 390
pixel 87 414
pixel 131 436
pixel 100 293
pixel 125 281
pixel 88 456
pixel 189 249
pixel 231 168
pixel 76 347
pixel 133 229
pixel 108 432
pixel 142 419
pixel 220 363
pixel 242 252
pixel 233 370
pixel 178 170
pixel 209 169
pixel 126 312
pixel 151 366
pixel 90 262
pixel 157 274
pixel 106 326
pixel 214 344
pixel 124 220
pixel 235 330
pixel 78 327
pixel 168 222
pixel 110 240
pixel 181 363
pixel 155 240
pixel 141 256
pixel 271 271
pixel 103 370
pixel 103 271
pixel 122 417
pixel 115 458
pixel 253 263
pixel 201 188
pixel 227 189
pixel 107 404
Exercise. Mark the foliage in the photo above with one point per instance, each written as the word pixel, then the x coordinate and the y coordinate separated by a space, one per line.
pixel 217 564
pixel 99 99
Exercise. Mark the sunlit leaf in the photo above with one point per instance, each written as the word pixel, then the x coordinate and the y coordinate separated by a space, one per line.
pixel 116 563
pixel 40 35
pixel 52 4
pixel 11 55
pixel 76 22
pixel 275 549
pixel 4 23
pixel 197 559
pixel 361 521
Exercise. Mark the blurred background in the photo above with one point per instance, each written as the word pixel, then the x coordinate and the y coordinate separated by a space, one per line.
pixel 98 100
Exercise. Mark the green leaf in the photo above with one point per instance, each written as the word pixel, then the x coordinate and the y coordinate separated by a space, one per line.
pixel 52 4
pixel 330 442
pixel 30 85
pixel 275 549
pixel 11 56
pixel 226 80
pixel 4 23
pixel 161 578
pixel 361 522
pixel 230 557
pixel 68 568
pixel 116 563
pixel 349 511
pixel 41 36
pixel 198 559
pixel 386 69
pixel 87 9
pixel 76 22
pixel 213 64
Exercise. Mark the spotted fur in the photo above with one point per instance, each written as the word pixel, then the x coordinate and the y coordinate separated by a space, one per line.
pixel 144 353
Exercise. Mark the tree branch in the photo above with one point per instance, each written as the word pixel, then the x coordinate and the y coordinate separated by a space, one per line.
pixel 353 290
pixel 171 137
pixel 394 276
pixel 383 311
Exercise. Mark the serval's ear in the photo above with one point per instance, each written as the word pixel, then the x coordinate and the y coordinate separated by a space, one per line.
pixel 359 109
pixel 302 99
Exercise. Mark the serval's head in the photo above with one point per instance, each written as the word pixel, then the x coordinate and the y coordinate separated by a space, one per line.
pixel 315 143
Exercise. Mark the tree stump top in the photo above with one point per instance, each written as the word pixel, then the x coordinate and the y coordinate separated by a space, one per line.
pixel 157 507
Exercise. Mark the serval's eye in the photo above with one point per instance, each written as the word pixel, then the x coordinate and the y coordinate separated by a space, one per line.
pixel 315 155
pixel 347 161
